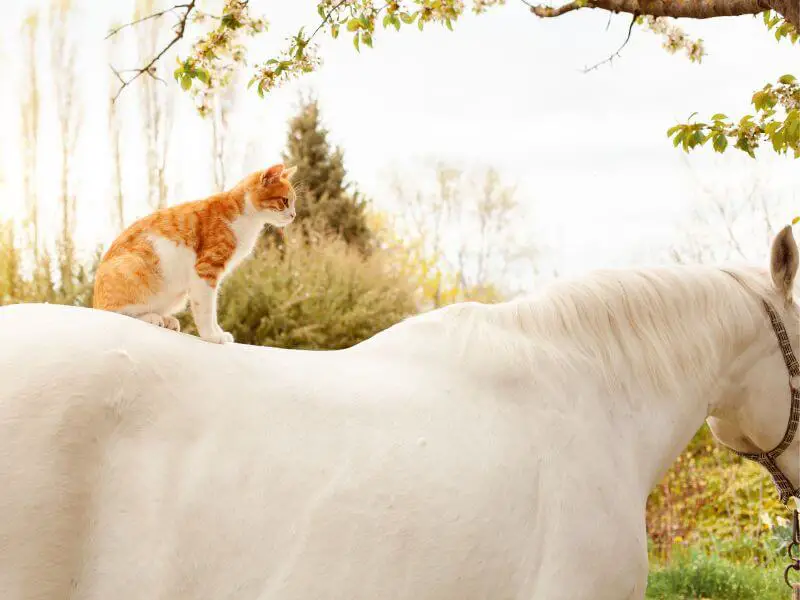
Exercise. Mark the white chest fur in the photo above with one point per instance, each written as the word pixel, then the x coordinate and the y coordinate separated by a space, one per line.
pixel 247 229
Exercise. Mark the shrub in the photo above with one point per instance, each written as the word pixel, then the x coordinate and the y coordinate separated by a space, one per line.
pixel 317 293
pixel 717 502
pixel 43 279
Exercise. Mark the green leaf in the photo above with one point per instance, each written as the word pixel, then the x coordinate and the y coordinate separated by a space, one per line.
pixel 186 82
pixel 203 76
pixel 720 143
pixel 320 11
pixel 719 117
pixel 672 130
pixel 792 134
pixel 356 42
pixel 420 24
pixel 449 24
pixel 366 37
pixel 698 139
pixel 796 220
pixel 396 22
pixel 364 21
pixel 250 83
pixel 387 20
pixel 778 141
pixel 334 31
pixel 764 100
pixel 230 22
pixel 787 79
pixel 353 24
pixel 408 19
pixel 261 89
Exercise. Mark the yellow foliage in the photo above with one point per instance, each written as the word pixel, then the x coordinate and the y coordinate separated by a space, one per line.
pixel 713 500
pixel 434 283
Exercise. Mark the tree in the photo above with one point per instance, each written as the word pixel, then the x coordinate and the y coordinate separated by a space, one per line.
pixel 30 132
pixel 63 56
pixel 777 106
pixel 327 203
pixel 114 130
pixel 458 235
pixel 157 108
pixel 730 225
pixel 222 105
pixel 115 140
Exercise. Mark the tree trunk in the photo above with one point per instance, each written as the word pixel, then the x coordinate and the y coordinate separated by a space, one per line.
pixel 30 133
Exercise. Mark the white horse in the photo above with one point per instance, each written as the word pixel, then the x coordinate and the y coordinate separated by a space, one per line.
pixel 473 453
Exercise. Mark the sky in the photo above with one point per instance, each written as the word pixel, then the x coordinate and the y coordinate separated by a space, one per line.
pixel 601 183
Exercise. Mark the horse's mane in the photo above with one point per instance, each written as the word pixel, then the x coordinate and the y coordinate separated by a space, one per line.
pixel 665 324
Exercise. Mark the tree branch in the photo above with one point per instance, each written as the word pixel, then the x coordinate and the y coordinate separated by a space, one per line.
pixel 155 15
pixel 326 19
pixel 690 9
pixel 788 9
pixel 149 68
pixel 617 53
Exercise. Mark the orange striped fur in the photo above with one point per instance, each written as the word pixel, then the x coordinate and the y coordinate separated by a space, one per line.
pixel 183 252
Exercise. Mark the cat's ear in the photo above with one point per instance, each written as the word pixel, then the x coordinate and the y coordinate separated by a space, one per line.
pixel 290 172
pixel 272 175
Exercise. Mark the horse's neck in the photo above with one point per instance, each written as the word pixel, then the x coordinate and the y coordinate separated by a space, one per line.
pixel 658 385
pixel 664 419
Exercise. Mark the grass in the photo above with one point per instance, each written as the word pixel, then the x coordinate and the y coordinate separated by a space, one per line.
pixel 693 575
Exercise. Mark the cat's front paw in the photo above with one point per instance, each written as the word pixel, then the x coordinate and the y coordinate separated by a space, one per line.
pixel 219 337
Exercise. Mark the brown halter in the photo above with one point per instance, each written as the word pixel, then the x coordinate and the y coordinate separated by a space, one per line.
pixel 767 459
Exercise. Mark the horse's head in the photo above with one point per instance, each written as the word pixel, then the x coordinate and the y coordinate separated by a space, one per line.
pixel 754 413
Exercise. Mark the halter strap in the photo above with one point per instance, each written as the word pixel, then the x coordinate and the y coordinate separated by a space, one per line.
pixel 767 459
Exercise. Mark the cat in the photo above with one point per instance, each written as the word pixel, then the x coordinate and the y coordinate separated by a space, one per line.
pixel 184 251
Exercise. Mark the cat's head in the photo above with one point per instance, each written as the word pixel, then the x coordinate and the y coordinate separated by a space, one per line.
pixel 271 193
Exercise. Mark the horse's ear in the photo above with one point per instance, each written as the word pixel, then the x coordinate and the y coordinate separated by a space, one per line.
pixel 784 261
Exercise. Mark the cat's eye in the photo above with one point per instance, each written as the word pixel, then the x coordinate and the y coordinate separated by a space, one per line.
pixel 285 202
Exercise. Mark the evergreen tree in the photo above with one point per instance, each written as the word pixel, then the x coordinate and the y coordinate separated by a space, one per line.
pixel 326 203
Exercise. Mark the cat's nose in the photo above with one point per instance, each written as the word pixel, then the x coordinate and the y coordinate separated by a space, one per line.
pixel 293 214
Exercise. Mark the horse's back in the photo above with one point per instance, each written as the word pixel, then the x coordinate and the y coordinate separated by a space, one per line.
pixel 71 379
pixel 141 463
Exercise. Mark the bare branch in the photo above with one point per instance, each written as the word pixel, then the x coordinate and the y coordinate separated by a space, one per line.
pixel 149 68
pixel 155 15
pixel 619 50
pixel 692 9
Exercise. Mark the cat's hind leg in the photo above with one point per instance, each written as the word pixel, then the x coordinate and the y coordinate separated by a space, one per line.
pixel 130 284
pixel 176 306
pixel 172 323
pixel 151 318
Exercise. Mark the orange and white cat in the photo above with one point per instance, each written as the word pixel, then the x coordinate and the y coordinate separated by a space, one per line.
pixel 184 251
